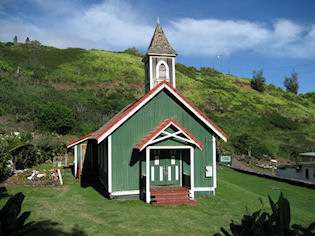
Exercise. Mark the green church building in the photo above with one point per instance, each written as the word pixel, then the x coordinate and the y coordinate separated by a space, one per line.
pixel 160 144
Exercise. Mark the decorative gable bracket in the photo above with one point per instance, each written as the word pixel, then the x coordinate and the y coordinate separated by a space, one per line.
pixel 159 134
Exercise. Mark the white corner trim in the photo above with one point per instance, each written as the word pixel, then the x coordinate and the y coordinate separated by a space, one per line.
pixel 192 174
pixel 173 65
pixel 147 178
pixel 157 69
pixel 151 73
pixel 109 163
pixel 128 192
pixel 214 164
pixel 75 161
pixel 145 101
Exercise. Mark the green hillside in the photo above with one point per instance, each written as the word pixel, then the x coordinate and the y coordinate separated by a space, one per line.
pixel 74 91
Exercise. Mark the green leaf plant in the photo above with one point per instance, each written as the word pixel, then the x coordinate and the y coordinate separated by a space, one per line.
pixel 262 223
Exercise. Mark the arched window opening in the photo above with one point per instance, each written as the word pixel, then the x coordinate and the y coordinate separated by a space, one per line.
pixel 162 72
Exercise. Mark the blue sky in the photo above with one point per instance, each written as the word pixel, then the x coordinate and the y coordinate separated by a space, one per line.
pixel 276 36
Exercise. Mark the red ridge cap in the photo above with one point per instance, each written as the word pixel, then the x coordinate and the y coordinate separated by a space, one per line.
pixel 79 139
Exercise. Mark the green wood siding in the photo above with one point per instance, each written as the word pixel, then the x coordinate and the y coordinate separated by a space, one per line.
pixel 126 161
pixel 103 162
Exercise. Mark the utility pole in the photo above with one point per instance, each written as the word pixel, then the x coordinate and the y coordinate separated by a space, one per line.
pixel 229 66
pixel 219 62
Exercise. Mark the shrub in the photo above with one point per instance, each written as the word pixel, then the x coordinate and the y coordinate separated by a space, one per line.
pixel 258 81
pixel 262 223
pixel 55 118
pixel 134 51
pixel 244 143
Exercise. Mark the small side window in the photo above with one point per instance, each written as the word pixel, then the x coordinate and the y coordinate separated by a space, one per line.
pixel 306 173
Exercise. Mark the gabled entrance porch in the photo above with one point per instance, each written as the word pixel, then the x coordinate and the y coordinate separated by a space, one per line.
pixel 169 167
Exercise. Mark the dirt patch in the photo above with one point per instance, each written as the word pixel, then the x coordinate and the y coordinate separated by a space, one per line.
pixel 242 84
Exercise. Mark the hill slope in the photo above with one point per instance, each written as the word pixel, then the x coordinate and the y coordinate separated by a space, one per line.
pixel 74 91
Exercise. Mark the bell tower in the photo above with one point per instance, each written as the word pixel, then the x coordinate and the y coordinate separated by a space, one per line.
pixel 159 61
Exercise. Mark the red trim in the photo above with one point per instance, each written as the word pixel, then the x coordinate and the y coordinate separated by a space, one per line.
pixel 159 128
pixel 128 110
pixel 203 115
pixel 79 139
pixel 131 108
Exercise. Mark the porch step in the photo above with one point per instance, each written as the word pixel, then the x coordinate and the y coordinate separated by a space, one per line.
pixel 174 202
pixel 171 196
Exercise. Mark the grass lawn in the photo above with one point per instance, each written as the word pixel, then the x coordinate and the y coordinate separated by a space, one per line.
pixel 72 210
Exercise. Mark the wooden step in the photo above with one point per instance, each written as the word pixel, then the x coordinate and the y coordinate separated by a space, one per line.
pixel 174 202
pixel 171 196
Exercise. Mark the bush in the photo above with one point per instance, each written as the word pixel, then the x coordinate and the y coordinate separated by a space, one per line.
pixel 258 81
pixel 55 118
pixel 262 223
pixel 134 51
pixel 244 143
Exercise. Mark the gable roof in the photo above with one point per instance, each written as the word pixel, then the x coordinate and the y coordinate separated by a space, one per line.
pixel 159 43
pixel 160 128
pixel 129 110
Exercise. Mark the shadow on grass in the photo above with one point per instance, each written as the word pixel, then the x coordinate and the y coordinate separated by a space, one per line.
pixel 50 228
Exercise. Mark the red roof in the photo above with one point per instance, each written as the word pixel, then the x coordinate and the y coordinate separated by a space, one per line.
pixel 159 128
pixel 128 109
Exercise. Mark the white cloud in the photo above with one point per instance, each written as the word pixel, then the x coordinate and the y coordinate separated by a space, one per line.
pixel 117 25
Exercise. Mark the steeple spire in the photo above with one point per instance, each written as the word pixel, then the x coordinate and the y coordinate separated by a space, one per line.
pixel 159 43
pixel 159 60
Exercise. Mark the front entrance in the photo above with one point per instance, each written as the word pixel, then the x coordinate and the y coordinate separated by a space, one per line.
pixel 165 168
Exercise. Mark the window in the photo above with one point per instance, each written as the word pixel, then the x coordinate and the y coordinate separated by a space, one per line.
pixel 162 72
pixel 306 173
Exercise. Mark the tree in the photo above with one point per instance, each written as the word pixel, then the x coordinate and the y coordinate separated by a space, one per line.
pixel 15 39
pixel 291 83
pixel 258 81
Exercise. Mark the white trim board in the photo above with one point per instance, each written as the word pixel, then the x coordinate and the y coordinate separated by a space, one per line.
pixel 204 189
pixel 171 135
pixel 75 161
pixel 214 164
pixel 109 163
pixel 151 96
pixel 128 192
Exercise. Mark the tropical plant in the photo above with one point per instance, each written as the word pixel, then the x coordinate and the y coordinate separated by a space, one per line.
pixel 12 223
pixel 262 223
